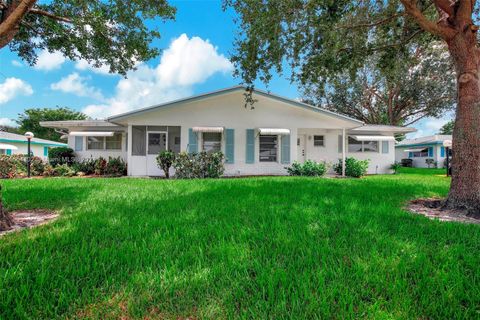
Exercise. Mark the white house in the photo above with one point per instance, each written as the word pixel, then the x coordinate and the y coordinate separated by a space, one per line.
pixel 11 143
pixel 420 149
pixel 262 140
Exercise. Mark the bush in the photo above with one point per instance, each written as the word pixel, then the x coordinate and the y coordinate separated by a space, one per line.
pixel 165 160
pixel 100 166
pixel 8 167
pixel 308 168
pixel 63 170
pixel 115 167
pixel 353 167
pixel 431 163
pixel 48 171
pixel 36 166
pixel 60 155
pixel 199 165
pixel 395 167
pixel 87 166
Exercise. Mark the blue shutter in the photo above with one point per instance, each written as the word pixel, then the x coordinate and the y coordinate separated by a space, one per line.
pixel 410 154
pixel 285 149
pixel 385 145
pixel 9 152
pixel 45 151
pixel 229 146
pixel 192 141
pixel 430 151
pixel 442 151
pixel 78 143
pixel 250 152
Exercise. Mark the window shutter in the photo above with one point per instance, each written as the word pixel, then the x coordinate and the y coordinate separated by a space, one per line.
pixel 286 149
pixel 9 152
pixel 410 154
pixel 45 151
pixel 250 152
pixel 229 146
pixel 385 147
pixel 340 144
pixel 430 151
pixel 78 143
pixel 192 141
pixel 442 152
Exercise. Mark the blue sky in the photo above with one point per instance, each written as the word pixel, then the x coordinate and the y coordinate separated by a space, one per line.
pixel 196 47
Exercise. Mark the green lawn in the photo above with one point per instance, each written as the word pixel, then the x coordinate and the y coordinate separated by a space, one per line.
pixel 253 248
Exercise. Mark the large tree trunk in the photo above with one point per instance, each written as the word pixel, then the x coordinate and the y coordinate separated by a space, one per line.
pixel 465 187
pixel 5 220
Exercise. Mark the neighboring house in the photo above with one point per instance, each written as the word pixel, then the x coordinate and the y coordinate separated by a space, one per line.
pixel 11 143
pixel 420 149
pixel 262 140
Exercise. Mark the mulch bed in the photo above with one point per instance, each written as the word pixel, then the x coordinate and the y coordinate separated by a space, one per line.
pixel 28 219
pixel 433 208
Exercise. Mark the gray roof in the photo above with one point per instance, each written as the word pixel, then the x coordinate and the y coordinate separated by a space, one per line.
pixel 77 123
pixel 436 139
pixel 13 137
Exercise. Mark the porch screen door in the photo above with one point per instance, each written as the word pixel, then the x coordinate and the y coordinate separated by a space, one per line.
pixel 156 143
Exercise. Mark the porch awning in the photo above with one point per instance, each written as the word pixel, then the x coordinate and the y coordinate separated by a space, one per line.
pixel 373 138
pixel 273 131
pixel 91 134
pixel 415 150
pixel 208 129
pixel 4 146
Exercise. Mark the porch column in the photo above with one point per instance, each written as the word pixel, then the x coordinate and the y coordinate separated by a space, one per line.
pixel 343 152
pixel 129 149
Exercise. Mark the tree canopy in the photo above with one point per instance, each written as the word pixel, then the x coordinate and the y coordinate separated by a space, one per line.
pixel 113 33
pixel 30 119
pixel 447 128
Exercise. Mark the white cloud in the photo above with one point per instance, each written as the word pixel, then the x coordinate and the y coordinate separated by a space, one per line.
pixel 435 124
pixel 75 84
pixel 186 62
pixel 13 87
pixel 84 66
pixel 47 61
pixel 429 126
pixel 16 63
pixel 7 122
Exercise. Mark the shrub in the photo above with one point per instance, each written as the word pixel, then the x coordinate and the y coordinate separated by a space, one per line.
pixel 100 165
pixel 115 167
pixel 395 166
pixel 353 167
pixel 87 166
pixel 63 170
pixel 60 155
pixel 165 160
pixel 36 166
pixel 48 171
pixel 430 162
pixel 308 168
pixel 199 165
pixel 8 168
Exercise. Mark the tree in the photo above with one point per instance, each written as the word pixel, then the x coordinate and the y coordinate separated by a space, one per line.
pixel 30 121
pixel 318 39
pixel 110 33
pixel 420 86
pixel 447 128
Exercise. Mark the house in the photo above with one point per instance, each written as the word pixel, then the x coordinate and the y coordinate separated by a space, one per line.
pixel 420 149
pixel 11 143
pixel 258 140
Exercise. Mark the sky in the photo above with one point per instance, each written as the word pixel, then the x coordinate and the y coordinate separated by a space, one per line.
pixel 195 59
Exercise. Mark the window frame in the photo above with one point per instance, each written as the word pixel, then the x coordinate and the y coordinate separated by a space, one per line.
pixel 277 148
pixel 419 154
pixel 166 142
pixel 323 140
pixel 220 141
pixel 104 143
pixel 362 143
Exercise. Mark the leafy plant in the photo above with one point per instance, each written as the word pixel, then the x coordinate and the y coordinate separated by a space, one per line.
pixel 87 166
pixel 63 170
pixel 395 166
pixel 353 167
pixel 115 167
pixel 308 168
pixel 165 160
pixel 100 166
pixel 61 155
pixel 199 165
pixel 430 162
pixel 37 165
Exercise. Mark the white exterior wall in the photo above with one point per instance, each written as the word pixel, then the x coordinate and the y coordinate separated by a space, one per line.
pixel 228 111
pixel 37 149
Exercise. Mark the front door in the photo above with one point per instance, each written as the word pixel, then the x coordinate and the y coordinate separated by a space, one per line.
pixel 301 152
pixel 156 143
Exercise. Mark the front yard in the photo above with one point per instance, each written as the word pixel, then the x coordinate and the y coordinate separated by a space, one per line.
pixel 237 248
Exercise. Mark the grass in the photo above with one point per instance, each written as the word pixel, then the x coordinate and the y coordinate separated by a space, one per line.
pixel 252 248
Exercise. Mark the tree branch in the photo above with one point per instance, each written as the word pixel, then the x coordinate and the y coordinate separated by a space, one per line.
pixel 15 13
pixel 445 5
pixel 49 15
pixel 372 24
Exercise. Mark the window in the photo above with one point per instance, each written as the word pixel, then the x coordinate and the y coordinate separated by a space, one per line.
pixel 212 142
pixel 157 142
pixel 421 154
pixel 114 142
pixel 318 141
pixel 268 148
pixel 362 146
pixel 105 143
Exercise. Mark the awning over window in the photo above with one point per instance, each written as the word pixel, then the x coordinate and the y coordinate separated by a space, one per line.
pixel 91 134
pixel 208 129
pixel 373 138
pixel 4 146
pixel 415 150
pixel 273 131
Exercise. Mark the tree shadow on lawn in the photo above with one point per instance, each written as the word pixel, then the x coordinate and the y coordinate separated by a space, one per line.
pixel 243 248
